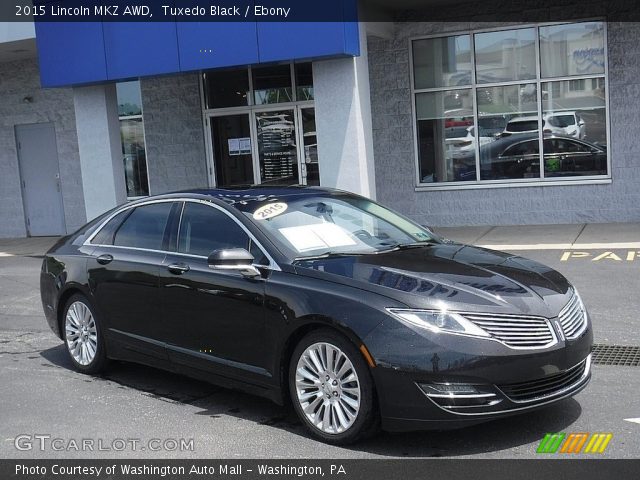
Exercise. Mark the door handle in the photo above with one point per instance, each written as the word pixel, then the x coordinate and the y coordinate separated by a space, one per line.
pixel 178 268
pixel 104 259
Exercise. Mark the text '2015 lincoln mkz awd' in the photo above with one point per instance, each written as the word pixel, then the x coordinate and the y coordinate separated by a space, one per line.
pixel 355 314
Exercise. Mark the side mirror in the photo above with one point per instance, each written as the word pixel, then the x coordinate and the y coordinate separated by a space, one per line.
pixel 236 259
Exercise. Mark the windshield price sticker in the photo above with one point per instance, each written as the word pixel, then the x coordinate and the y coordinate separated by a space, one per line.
pixel 269 210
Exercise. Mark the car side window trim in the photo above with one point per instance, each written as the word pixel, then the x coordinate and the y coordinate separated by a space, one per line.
pixel 101 228
pixel 170 241
pixel 272 263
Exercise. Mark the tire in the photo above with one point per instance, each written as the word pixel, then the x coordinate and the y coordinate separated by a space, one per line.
pixel 83 337
pixel 331 388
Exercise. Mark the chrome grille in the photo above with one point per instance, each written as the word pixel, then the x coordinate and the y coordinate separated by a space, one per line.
pixel 516 331
pixel 546 386
pixel 573 318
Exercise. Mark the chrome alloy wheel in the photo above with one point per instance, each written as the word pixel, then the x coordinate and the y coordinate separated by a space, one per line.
pixel 328 388
pixel 81 333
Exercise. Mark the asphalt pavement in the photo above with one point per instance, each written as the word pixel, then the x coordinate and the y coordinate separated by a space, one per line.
pixel 154 414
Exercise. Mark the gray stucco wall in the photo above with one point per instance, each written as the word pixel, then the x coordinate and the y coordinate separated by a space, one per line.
pixel 18 80
pixel 394 145
pixel 173 133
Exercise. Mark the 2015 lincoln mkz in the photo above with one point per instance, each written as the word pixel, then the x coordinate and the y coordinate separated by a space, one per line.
pixel 355 314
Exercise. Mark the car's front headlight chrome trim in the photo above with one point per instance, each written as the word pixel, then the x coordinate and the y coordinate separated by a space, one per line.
pixel 439 321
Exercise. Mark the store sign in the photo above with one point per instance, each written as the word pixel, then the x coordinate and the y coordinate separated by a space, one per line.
pixel 586 59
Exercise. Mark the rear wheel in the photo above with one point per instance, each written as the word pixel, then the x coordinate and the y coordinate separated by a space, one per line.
pixel 331 388
pixel 83 336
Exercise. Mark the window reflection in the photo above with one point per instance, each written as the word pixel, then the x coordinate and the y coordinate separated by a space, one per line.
pixel 311 167
pixel 516 110
pixel 304 81
pixel 575 120
pixel 572 49
pixel 442 62
pixel 446 136
pixel 576 113
pixel 226 88
pixel 504 56
pixel 272 84
pixel 505 111
pixel 129 99
pixel 134 156
pixel 568 157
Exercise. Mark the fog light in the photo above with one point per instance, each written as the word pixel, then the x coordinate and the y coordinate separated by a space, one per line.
pixel 448 388
pixel 461 397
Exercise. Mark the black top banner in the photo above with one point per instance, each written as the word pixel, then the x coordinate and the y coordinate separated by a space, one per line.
pixel 314 10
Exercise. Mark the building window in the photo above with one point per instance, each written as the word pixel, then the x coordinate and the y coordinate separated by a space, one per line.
pixel 132 136
pixel 577 85
pixel 514 105
pixel 261 124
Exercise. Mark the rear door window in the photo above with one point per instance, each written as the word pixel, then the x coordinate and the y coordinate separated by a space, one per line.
pixel 145 227
pixel 525 148
pixel 105 235
pixel 562 145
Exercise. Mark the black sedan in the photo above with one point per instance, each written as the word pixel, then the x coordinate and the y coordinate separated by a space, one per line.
pixel 355 314
pixel 518 156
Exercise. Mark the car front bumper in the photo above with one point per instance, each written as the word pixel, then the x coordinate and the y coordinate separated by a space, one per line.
pixel 448 381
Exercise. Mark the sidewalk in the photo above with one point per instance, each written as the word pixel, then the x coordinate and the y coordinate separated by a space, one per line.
pixel 548 237
pixel 516 237
pixel 32 246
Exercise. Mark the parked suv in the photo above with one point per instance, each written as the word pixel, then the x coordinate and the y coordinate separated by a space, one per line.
pixel 558 123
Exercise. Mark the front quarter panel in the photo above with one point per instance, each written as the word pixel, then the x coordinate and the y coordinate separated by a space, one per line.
pixel 296 302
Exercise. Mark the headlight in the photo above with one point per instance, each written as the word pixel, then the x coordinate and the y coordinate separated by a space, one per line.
pixel 439 321
pixel 580 302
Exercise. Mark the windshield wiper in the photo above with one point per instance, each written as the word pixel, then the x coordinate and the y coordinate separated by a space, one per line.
pixel 329 254
pixel 406 246
pixel 392 248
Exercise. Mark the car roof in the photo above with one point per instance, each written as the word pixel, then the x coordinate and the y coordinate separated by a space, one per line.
pixel 244 197
pixel 261 190
pixel 505 142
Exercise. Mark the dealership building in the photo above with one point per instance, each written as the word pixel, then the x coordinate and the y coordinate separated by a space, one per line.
pixel 448 118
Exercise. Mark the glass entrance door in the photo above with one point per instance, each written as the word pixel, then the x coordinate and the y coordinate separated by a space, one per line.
pixel 231 145
pixel 309 162
pixel 277 150
pixel 273 146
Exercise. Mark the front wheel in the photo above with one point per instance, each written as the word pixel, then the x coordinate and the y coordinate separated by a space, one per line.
pixel 83 336
pixel 331 388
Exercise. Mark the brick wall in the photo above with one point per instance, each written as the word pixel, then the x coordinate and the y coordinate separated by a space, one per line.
pixel 394 145
pixel 20 79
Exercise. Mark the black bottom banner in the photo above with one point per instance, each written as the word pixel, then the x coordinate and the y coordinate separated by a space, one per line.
pixel 405 469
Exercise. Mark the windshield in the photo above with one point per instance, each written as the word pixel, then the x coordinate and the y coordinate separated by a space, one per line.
pixel 562 121
pixel 319 225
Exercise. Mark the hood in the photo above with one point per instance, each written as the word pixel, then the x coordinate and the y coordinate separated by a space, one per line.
pixel 464 277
